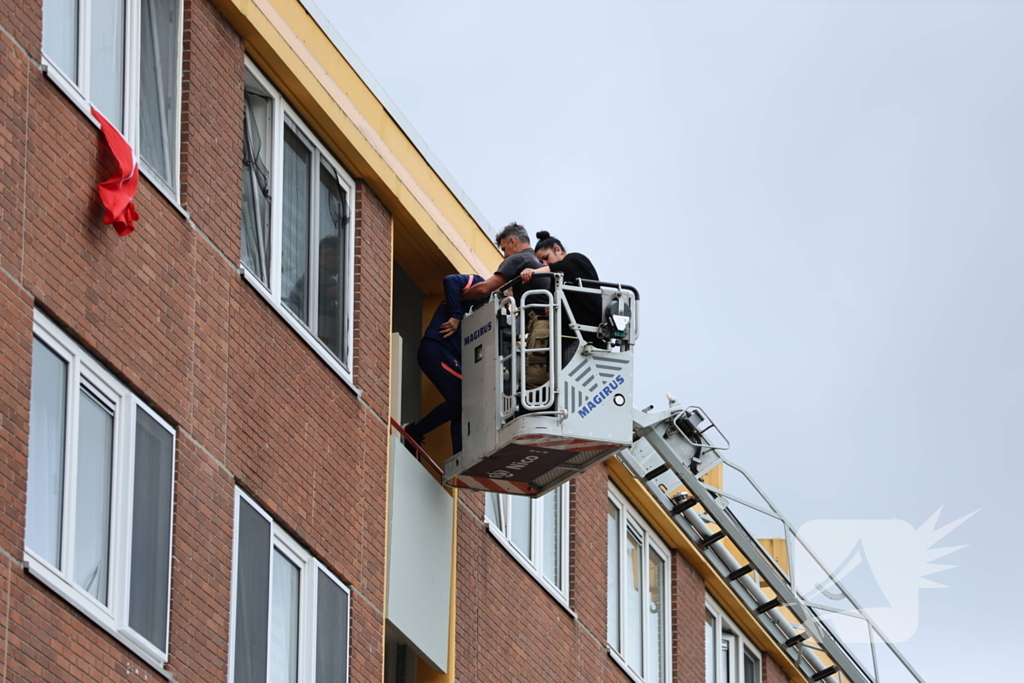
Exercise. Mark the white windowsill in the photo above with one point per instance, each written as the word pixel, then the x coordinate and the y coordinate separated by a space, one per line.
pixel 62 83
pixel 45 575
pixel 518 557
pixel 314 344
pixel 622 665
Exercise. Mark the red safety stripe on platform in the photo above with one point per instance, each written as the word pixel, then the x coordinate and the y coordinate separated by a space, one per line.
pixel 496 485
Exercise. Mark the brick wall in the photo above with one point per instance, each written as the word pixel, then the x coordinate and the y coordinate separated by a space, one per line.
pixel 772 672
pixel 166 311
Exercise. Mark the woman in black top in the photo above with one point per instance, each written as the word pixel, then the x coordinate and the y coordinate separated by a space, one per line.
pixel 586 308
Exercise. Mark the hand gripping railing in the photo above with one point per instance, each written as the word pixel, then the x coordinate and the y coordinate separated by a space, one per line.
pixel 705 516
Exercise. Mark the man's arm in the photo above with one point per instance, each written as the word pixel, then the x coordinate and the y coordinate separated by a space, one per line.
pixel 482 290
pixel 527 273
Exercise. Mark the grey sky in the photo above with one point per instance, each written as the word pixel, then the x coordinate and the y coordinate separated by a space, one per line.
pixel 821 204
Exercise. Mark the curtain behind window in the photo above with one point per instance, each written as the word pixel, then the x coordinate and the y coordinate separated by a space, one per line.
pixel 45 503
pixel 158 84
pixel 295 224
pixel 257 125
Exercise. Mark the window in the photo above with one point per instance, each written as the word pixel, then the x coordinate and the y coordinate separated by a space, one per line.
pixel 297 223
pixel 100 483
pixel 124 58
pixel 290 615
pixel 638 607
pixel 536 531
pixel 728 656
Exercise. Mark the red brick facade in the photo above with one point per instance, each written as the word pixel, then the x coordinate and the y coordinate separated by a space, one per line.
pixel 167 312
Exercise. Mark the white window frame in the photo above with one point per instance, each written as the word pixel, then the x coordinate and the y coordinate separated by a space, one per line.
pixel 726 629
pixel 534 562
pixel 630 517
pixel 82 370
pixel 78 93
pixel 273 294
pixel 309 568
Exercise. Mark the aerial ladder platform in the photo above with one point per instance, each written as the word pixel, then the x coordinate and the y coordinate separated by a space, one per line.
pixel 526 440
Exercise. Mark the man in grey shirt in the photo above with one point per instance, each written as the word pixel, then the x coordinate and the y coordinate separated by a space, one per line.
pixel 514 242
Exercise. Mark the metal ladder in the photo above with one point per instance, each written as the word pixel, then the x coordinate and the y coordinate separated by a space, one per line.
pixel 682 452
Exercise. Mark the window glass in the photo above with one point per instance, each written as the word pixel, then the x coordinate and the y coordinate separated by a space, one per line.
pixel 304 635
pixel 750 668
pixel 331 323
pixel 655 618
pixel 331 630
pixel 614 578
pixel 92 443
pixel 300 250
pixel 45 504
pixel 521 521
pixel 158 82
pixel 295 225
pixel 151 529
pixel 634 601
pixel 252 590
pixel 257 128
pixel 60 35
pixel 284 621
pixel 92 496
pixel 106 60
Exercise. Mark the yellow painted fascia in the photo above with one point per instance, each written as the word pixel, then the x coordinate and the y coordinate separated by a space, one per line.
pixel 716 585
pixel 303 62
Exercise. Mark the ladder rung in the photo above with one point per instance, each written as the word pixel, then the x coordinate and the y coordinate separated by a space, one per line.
pixel 797 639
pixel 680 508
pixel 742 571
pixel 712 539
pixel 770 605
pixel 656 472
pixel 825 673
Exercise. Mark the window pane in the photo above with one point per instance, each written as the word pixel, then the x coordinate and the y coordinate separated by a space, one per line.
pixel 158 82
pixel 728 666
pixel 60 35
pixel 655 618
pixel 750 668
pixel 45 503
pixel 252 591
pixel 92 496
pixel 710 670
pixel 295 225
pixel 151 529
pixel 492 509
pixel 553 536
pixel 634 602
pixel 521 519
pixel 256 185
pixel 331 631
pixel 614 563
pixel 106 59
pixel 284 622
pixel 331 300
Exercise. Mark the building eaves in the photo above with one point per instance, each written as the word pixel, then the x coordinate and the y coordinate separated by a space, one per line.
pixel 393 111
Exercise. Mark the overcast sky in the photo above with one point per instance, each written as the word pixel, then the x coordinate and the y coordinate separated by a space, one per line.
pixel 821 203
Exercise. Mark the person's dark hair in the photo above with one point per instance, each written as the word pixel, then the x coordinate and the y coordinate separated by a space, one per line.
pixel 330 242
pixel 546 241
pixel 513 230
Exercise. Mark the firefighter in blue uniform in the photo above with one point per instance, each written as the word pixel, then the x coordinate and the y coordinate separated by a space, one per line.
pixel 440 355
